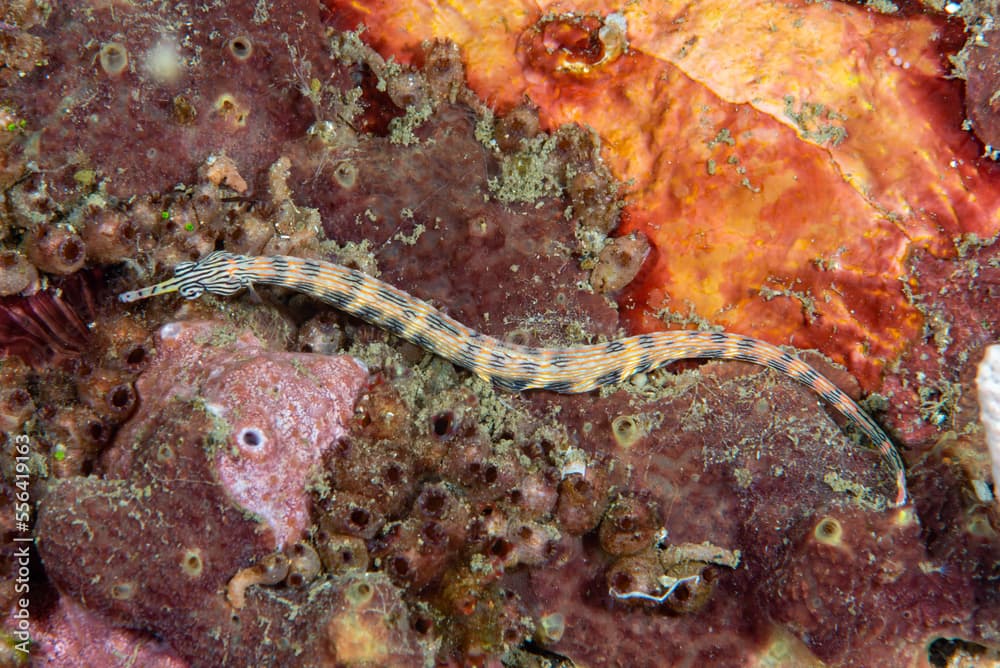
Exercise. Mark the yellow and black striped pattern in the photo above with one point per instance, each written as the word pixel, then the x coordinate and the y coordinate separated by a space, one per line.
pixel 509 366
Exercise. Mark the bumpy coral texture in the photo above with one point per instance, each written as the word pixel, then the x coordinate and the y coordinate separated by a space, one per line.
pixel 69 635
pixel 780 198
pixel 983 73
pixel 265 441
pixel 480 277
pixel 814 565
pixel 457 525
pixel 192 86
pixel 185 500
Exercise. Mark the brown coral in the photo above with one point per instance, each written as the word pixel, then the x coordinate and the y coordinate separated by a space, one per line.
pixel 982 102
pixel 57 250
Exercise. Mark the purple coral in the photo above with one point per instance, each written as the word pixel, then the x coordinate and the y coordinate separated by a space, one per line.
pixel 273 415
pixel 208 476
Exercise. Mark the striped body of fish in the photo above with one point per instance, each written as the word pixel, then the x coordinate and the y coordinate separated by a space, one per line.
pixel 508 366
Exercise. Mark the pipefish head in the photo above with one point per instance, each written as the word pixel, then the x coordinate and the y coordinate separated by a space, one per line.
pixel 219 273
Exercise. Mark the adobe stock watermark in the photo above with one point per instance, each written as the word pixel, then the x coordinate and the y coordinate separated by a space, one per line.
pixel 21 630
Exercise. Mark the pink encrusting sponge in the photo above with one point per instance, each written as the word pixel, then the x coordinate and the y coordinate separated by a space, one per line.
pixel 988 381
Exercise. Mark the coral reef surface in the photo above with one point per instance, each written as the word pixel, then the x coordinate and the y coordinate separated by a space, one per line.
pixel 745 133
pixel 212 474
pixel 261 480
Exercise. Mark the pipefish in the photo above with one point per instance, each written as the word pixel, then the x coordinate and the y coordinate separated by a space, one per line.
pixel 509 366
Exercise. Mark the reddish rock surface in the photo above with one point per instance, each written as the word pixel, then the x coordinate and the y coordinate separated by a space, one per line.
pixel 982 102
pixel 707 513
pixel 209 476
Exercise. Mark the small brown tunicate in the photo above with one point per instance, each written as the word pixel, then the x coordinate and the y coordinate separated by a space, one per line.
pixel 537 494
pixel 433 534
pixel 111 237
pixel 135 356
pixel 594 200
pixel 16 273
pixel 57 250
pixel 250 236
pixel 16 406
pixel 77 435
pixel 408 89
pixel 577 145
pixel 501 548
pixel 147 214
pixel 350 512
pixel 127 342
pixel 519 124
pixel 121 400
pixel 486 473
pixel 340 553
pixel 442 425
pixel 303 564
pixel 394 475
pixel 113 58
pixel 79 428
pixel 416 553
pixel 535 543
pixel 582 501
pixel 385 416
pixel 634 579
pixel 444 70
pixel 619 262
pixel 629 526
pixel 423 624
pixel 109 393
pixel 241 48
pixel 694 584
pixel 433 501
pixel 399 566
pixel 206 200
pixel 359 517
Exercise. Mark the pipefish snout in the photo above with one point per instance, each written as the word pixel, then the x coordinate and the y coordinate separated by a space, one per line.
pixel 509 366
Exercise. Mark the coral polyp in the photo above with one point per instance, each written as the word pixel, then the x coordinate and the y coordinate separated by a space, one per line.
pixel 113 58
pixel 57 250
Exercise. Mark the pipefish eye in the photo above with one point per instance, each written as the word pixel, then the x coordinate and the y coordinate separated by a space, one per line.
pixel 191 290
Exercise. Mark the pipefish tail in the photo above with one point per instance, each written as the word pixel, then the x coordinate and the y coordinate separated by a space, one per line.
pixel 509 366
